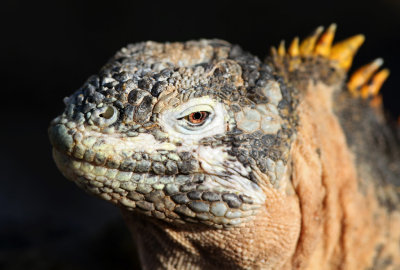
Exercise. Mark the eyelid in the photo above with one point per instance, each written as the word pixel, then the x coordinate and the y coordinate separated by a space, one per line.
pixel 197 108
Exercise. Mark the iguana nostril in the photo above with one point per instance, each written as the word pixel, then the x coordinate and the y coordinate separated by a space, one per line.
pixel 108 114
pixel 104 116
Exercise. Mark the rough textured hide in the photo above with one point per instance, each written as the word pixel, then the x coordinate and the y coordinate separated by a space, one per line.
pixel 220 161
pixel 341 228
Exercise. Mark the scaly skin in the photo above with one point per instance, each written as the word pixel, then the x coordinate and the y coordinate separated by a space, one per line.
pixel 220 161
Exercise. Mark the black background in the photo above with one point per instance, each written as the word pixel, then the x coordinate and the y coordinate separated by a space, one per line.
pixel 47 51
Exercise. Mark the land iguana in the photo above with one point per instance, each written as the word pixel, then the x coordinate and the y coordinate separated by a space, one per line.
pixel 221 161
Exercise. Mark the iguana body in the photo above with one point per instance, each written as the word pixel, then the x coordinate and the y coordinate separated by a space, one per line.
pixel 220 161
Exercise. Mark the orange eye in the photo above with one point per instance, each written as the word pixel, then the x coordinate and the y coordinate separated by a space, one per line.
pixel 197 118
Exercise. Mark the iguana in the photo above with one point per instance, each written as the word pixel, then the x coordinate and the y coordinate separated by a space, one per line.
pixel 221 161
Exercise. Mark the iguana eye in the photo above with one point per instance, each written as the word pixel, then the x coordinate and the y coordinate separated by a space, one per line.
pixel 197 118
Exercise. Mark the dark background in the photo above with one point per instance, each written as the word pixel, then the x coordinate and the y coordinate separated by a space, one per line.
pixel 49 49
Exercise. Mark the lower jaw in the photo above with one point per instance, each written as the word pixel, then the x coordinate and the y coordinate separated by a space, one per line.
pixel 174 199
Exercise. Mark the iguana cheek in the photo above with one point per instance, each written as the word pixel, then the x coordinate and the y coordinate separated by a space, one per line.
pixel 264 118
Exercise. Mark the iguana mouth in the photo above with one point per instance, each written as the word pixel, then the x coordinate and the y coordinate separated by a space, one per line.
pixel 162 184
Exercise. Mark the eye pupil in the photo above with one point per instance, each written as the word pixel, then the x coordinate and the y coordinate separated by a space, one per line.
pixel 197 117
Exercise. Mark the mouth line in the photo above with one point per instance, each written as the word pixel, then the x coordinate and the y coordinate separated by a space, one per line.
pixel 101 173
pixel 88 171
pixel 103 155
pixel 158 162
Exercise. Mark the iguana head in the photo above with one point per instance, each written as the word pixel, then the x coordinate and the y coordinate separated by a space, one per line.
pixel 181 132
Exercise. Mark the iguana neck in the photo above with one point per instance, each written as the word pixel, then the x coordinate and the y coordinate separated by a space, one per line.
pixel 157 248
pixel 343 226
